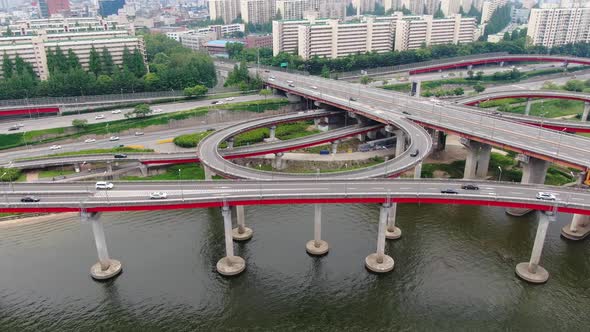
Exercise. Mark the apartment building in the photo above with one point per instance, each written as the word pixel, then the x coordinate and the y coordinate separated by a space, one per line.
pixel 227 10
pixel 67 25
pixel 557 26
pixel 257 11
pixel 285 33
pixel 333 39
pixel 489 7
pixel 412 32
pixel 33 48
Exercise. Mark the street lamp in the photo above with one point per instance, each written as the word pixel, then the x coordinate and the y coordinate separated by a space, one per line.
pixel 180 179
pixel 5 196
pixel 500 175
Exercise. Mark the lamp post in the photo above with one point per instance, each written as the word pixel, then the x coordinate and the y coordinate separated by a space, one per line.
pixel 180 179
pixel 500 175
pixel 5 196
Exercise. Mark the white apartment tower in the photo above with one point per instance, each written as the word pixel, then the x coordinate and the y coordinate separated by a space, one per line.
pixel 412 32
pixel 257 11
pixel 558 26
pixel 291 9
pixel 227 10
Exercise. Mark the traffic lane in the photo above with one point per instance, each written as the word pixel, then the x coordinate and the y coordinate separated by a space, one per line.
pixel 66 120
pixel 392 188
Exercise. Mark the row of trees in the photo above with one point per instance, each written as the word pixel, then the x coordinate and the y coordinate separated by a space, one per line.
pixel 172 67
pixel 499 20
pixel 325 66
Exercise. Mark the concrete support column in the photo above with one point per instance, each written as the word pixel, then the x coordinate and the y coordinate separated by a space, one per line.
pixel 586 111
pixel 272 135
pixel 372 134
pixel 109 167
pixel 361 137
pixel 143 169
pixel 392 232
pixel 241 233
pixel 502 64
pixel 483 160
pixel 527 108
pixel 478 159
pixel 317 246
pixel 379 262
pixel 416 86
pixel 230 143
pixel 293 98
pixel 578 229
pixel 208 173
pixel 532 271
pixel 77 167
pixel 230 264
pixel 418 171
pixel 106 267
pixel 335 147
pixel 278 163
pixel 533 172
pixel 400 142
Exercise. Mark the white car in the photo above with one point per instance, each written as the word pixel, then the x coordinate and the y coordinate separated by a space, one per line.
pixel 55 147
pixel 157 110
pixel 158 195
pixel 138 133
pixel 229 98
pixel 434 100
pixel 116 112
pixel 99 117
pixel 114 138
pixel 271 79
pixel 90 140
pixel 104 185
pixel 289 81
pixel 546 196
pixel 20 125
pixel 219 103
pixel 314 87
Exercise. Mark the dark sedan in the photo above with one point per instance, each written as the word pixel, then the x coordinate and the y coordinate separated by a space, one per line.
pixel 449 191
pixel 470 187
pixel 30 199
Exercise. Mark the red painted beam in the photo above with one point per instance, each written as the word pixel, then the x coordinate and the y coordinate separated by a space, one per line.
pixel 43 110
pixel 517 95
pixel 289 201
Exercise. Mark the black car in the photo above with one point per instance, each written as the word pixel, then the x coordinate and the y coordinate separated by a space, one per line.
pixel 415 153
pixel 470 187
pixel 13 128
pixel 449 191
pixel 214 102
pixel 120 155
pixel 292 85
pixel 29 199
pixel 406 113
pixel 352 99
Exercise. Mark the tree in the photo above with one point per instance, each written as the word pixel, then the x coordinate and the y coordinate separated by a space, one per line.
pixel 7 66
pixel 21 67
pixel 439 13
pixel 405 10
pixel 470 74
pixel 458 91
pixel 139 68
pixel 366 80
pixel 507 36
pixel 94 63
pixel 278 15
pixel 479 88
pixel 350 10
pixel 80 123
pixel 515 34
pixel 574 85
pixel 108 65
pixel 60 60
pixel 195 91
pixel 265 93
pixel 140 111
pixel 325 72
pixel 73 61
pixel 479 75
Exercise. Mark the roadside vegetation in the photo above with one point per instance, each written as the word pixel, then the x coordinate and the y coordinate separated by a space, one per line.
pixel 172 173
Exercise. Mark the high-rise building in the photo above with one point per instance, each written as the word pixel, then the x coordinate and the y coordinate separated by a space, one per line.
pixel 257 11
pixel 291 9
pixel 58 6
pixel 110 7
pixel 557 26
pixel 227 10
pixel 489 7
pixel 43 9
pixel 412 32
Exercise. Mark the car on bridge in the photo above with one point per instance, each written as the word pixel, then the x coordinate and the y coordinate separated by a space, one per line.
pixel 116 112
pixel 114 138
pixel 470 187
pixel 13 128
pixel 158 195
pixel 90 140
pixel 55 147
pixel 120 156
pixel 99 117
pixel 546 196
pixel 415 153
pixel 30 199
pixel 104 185
pixel 449 191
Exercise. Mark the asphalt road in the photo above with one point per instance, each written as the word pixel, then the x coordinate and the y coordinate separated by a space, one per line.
pixel 135 195
pixel 66 120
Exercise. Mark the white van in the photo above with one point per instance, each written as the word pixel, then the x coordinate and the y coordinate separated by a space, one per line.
pixel 104 185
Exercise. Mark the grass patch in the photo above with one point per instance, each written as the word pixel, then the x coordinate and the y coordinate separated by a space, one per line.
pixel 190 140
pixel 285 131
pixel 501 102
pixel 187 172
pixel 455 169
pixel 51 173
pixel 552 108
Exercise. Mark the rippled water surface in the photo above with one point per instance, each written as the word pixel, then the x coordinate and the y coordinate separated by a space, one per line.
pixel 454 270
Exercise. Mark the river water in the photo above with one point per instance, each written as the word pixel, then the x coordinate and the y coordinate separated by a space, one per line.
pixel 454 270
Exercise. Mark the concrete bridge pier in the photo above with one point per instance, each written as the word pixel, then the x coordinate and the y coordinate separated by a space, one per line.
pixel 532 271
pixel 109 167
pixel 400 142
pixel 317 246
pixel 278 163
pixel 361 137
pixel 418 171
pixel 230 143
pixel 578 229
pixel 416 86
pixel 533 172
pixel 241 233
pixel 272 134
pixel 527 108
pixel 335 146
pixel 208 173
pixel 144 169
pixel 106 267
pixel 478 159
pixel 372 134
pixel 77 167
pixel 379 262
pixel 293 98
pixel 586 111
pixel 229 265
pixel 392 232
